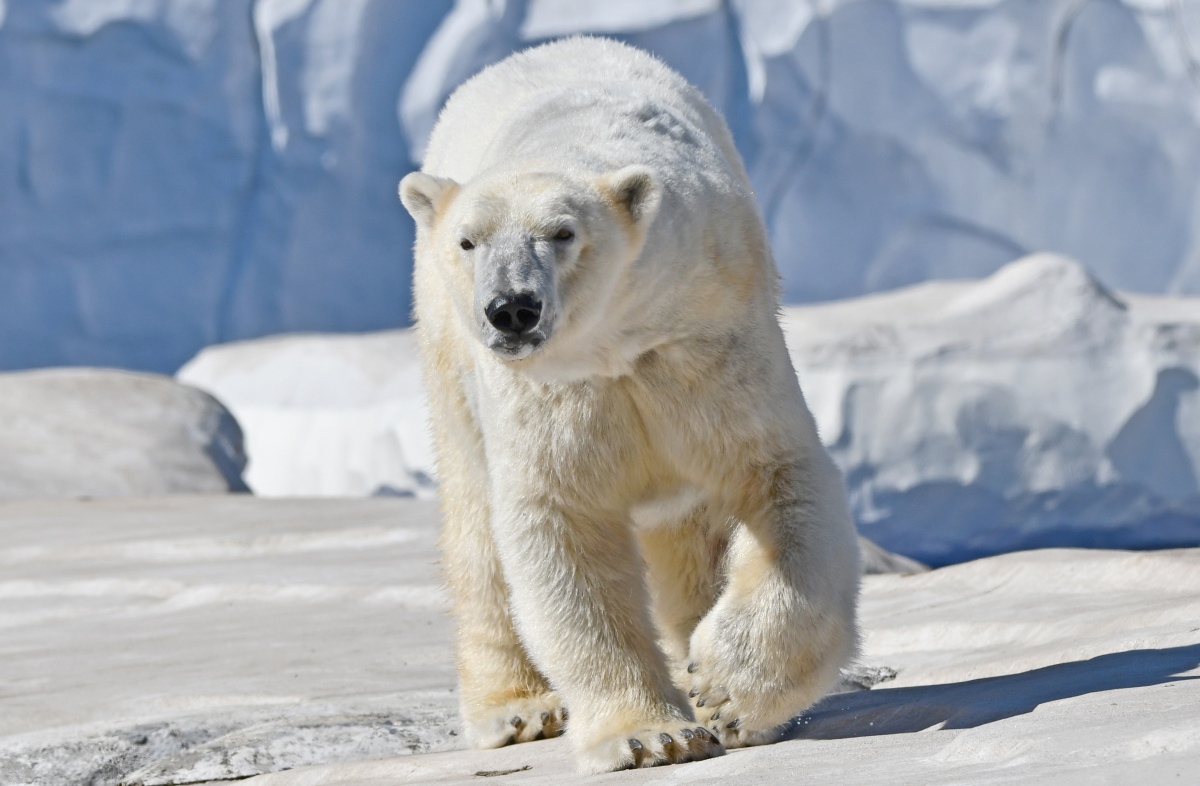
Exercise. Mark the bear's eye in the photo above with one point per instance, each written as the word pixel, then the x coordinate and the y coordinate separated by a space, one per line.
pixel 466 245
pixel 564 234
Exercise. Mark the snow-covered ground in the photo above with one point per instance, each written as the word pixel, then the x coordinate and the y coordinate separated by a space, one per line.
pixel 186 638
pixel 178 640
pixel 1031 408
pixel 178 173
pixel 1057 667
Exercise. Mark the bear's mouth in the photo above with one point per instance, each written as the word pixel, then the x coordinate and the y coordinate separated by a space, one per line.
pixel 514 348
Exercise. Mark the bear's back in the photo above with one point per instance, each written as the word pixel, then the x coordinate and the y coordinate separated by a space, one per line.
pixel 591 104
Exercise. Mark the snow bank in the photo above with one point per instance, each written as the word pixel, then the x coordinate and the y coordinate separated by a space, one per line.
pixel 1031 408
pixel 177 173
pixel 325 415
pixel 102 433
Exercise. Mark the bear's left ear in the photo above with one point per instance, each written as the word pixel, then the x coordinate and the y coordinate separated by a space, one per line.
pixel 636 189
pixel 425 195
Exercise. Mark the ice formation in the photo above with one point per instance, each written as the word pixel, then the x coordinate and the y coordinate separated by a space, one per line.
pixel 177 173
pixel 1031 408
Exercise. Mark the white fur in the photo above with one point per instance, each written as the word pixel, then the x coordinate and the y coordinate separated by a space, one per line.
pixel 661 393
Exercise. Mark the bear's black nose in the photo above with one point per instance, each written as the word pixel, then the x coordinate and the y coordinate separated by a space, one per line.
pixel 514 315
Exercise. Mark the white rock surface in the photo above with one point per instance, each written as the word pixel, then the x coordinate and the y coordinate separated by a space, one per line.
pixel 246 152
pixel 173 640
pixel 101 433
pixel 1032 408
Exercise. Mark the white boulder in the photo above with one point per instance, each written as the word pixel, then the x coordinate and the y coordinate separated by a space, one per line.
pixel 103 433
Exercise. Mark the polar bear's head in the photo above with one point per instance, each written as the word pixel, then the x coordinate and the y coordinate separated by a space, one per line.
pixel 534 260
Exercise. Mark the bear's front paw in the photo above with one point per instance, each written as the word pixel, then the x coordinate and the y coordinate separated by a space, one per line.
pixel 665 743
pixel 737 720
pixel 519 720
pixel 747 679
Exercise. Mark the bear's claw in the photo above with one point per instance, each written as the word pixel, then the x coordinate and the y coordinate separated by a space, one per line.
pixel 653 747
pixel 520 720
pixel 720 713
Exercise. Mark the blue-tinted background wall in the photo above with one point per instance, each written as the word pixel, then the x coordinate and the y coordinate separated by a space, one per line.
pixel 176 173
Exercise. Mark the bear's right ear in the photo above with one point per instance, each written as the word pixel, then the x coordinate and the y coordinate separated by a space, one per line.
pixel 425 195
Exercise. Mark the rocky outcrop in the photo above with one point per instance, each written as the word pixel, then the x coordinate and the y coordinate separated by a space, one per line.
pixel 104 433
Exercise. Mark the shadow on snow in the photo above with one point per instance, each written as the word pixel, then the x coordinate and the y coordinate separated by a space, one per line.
pixel 965 705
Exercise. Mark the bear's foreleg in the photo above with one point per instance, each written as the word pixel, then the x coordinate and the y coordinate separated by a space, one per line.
pixel 784 625
pixel 580 604
pixel 504 699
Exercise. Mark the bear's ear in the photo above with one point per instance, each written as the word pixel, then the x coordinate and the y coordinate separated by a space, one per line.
pixel 637 190
pixel 424 195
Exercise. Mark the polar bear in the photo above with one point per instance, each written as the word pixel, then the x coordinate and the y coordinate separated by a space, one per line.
pixel 641 525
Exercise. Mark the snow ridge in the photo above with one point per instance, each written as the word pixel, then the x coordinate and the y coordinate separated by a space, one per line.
pixel 1031 408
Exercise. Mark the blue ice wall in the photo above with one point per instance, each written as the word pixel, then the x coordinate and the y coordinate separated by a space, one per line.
pixel 176 173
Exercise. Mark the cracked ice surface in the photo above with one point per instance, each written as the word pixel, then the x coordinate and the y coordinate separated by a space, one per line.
pixel 178 174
